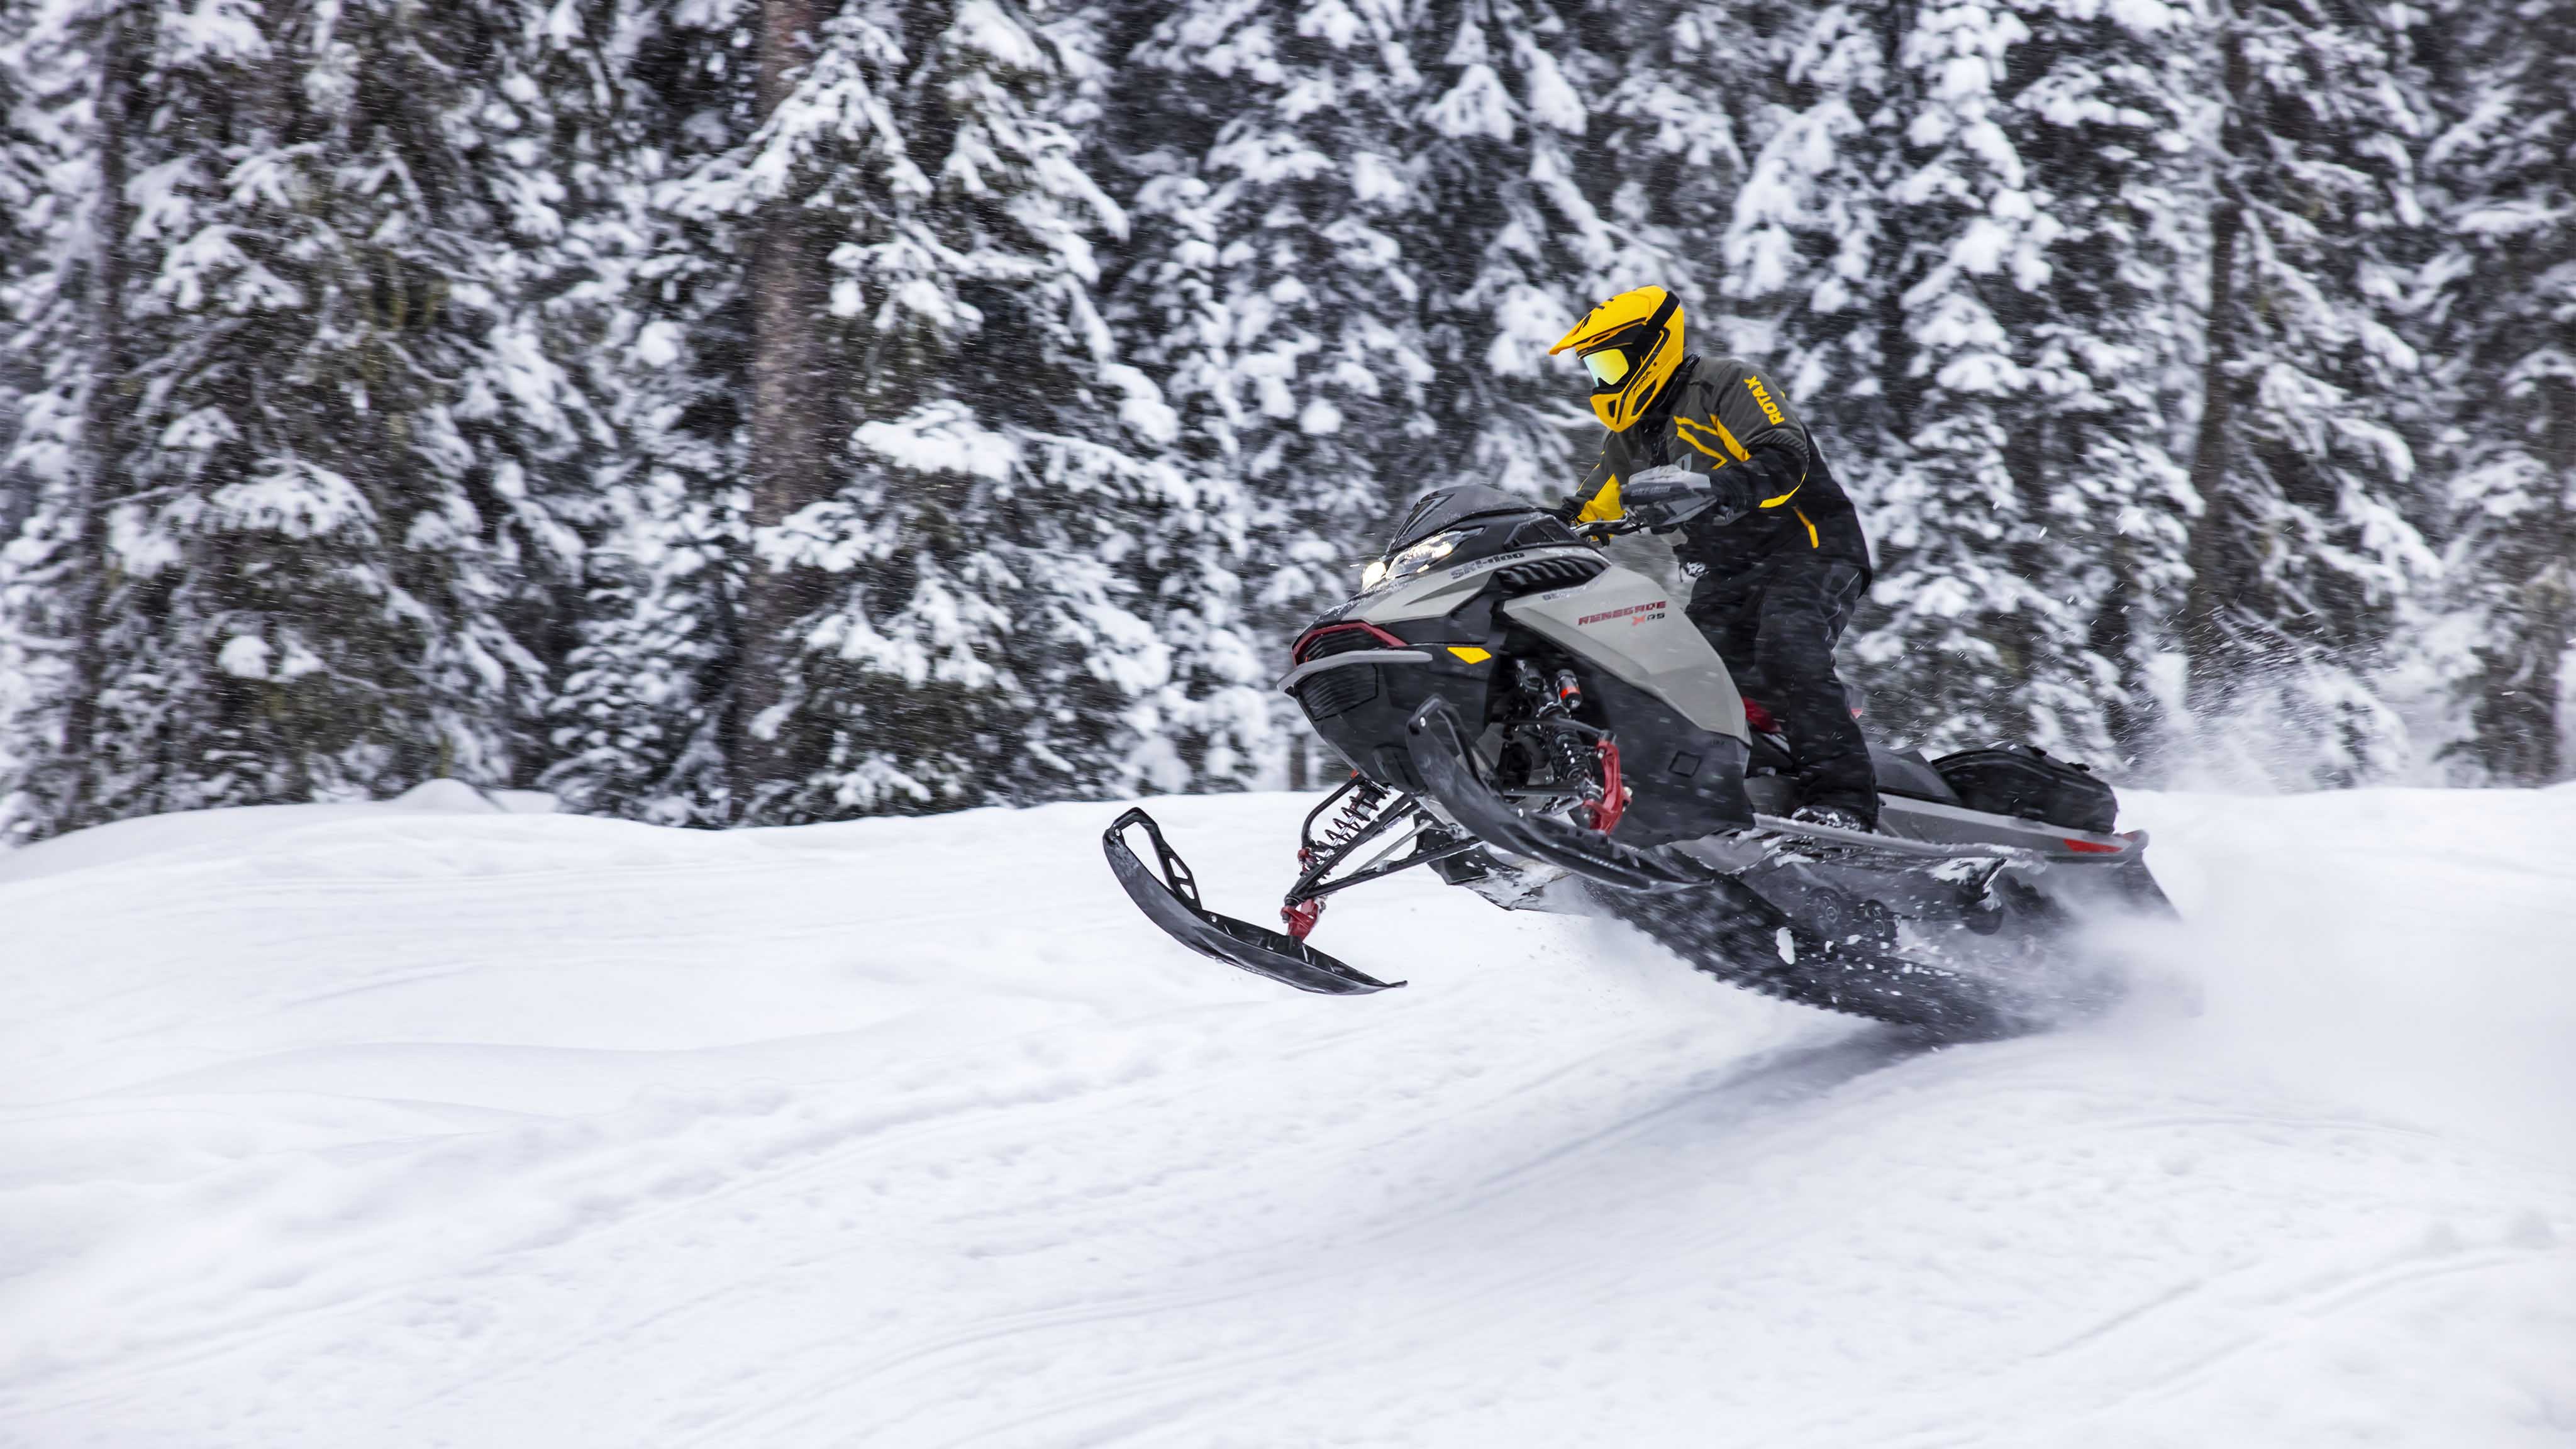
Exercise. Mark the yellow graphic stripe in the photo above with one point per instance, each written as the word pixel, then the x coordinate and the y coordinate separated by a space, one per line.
pixel 1604 507
pixel 1733 448
pixel 1785 497
pixel 1812 540
pixel 1703 447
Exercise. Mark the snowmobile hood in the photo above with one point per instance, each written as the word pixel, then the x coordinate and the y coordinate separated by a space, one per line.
pixel 1443 509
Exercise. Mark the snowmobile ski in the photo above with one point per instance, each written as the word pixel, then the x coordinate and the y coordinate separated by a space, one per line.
pixel 1169 896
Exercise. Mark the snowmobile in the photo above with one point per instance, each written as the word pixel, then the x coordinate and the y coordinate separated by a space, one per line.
pixel 1535 722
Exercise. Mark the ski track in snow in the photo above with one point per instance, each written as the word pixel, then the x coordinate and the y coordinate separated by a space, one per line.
pixel 426 1124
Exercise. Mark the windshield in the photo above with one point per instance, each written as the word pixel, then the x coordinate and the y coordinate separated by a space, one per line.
pixel 1444 509
pixel 1461 525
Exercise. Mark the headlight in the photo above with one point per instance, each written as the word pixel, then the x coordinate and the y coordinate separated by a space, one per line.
pixel 1414 559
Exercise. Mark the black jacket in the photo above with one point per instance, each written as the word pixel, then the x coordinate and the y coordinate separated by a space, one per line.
pixel 1727 413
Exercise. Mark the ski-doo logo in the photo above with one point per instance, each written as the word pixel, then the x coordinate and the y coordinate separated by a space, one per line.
pixel 1482 564
pixel 1634 614
pixel 1762 395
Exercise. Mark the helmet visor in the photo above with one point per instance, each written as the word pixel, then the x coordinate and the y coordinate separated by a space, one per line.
pixel 1608 365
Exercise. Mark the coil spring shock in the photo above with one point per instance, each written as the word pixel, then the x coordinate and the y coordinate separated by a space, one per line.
pixel 1366 798
pixel 1574 762
pixel 1356 812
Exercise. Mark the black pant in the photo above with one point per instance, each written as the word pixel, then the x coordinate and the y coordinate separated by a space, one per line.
pixel 1776 628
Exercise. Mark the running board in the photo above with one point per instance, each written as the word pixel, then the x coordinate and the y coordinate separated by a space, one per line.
pixel 1171 900
pixel 2040 842
pixel 1871 840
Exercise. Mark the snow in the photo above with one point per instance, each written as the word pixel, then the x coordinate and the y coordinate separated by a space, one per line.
pixel 1476 106
pixel 437 1122
pixel 294 498
pixel 244 656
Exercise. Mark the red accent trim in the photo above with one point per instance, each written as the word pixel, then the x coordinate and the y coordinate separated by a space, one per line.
pixel 1759 716
pixel 1301 917
pixel 1308 639
pixel 2087 847
pixel 1604 813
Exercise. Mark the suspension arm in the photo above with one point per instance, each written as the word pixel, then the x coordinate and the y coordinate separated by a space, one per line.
pixel 1308 889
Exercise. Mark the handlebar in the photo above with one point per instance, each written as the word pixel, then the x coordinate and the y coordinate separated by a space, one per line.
pixel 1604 530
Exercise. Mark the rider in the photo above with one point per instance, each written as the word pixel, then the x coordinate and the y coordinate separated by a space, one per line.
pixel 1711 447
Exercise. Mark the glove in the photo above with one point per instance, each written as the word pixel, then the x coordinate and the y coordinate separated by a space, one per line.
pixel 1769 474
pixel 1667 497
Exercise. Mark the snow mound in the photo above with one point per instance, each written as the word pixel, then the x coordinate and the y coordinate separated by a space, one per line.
pixel 375 1125
pixel 227 830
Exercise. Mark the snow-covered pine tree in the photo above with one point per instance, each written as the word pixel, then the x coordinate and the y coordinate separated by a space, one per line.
pixel 312 428
pixel 2308 532
pixel 1211 722
pixel 47 285
pixel 2506 169
pixel 1360 224
pixel 1510 245
pixel 1700 83
pixel 955 622
pixel 1267 287
pixel 1809 248
pixel 615 101
pixel 1962 226
pixel 1977 630
pixel 2101 108
pixel 25 160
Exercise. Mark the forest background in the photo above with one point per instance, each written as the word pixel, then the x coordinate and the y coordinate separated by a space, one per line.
pixel 756 411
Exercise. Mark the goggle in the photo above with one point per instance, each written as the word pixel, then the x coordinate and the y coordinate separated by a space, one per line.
pixel 1608 365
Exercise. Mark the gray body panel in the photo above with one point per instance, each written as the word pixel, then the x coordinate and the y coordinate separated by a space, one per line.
pixel 1633 626
pixel 1621 620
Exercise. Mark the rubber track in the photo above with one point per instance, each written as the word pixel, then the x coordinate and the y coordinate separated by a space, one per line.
pixel 1932 1000
pixel 1717 923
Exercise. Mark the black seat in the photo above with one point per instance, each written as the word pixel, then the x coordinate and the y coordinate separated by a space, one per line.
pixel 1910 775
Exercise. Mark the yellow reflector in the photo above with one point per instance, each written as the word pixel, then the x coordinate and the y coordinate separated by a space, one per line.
pixel 1471 653
pixel 1608 365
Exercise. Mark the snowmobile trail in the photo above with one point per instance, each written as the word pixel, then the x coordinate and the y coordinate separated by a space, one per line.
pixel 425 1123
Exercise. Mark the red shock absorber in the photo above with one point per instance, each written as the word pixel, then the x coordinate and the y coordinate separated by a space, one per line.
pixel 1603 814
pixel 1345 826
pixel 1301 917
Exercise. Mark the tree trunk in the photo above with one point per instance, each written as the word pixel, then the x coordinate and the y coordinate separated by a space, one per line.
pixel 788 299
pixel 2558 635
pixel 2522 725
pixel 101 465
pixel 2209 664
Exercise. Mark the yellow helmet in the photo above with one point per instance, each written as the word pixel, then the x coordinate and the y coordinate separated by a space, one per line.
pixel 1631 343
